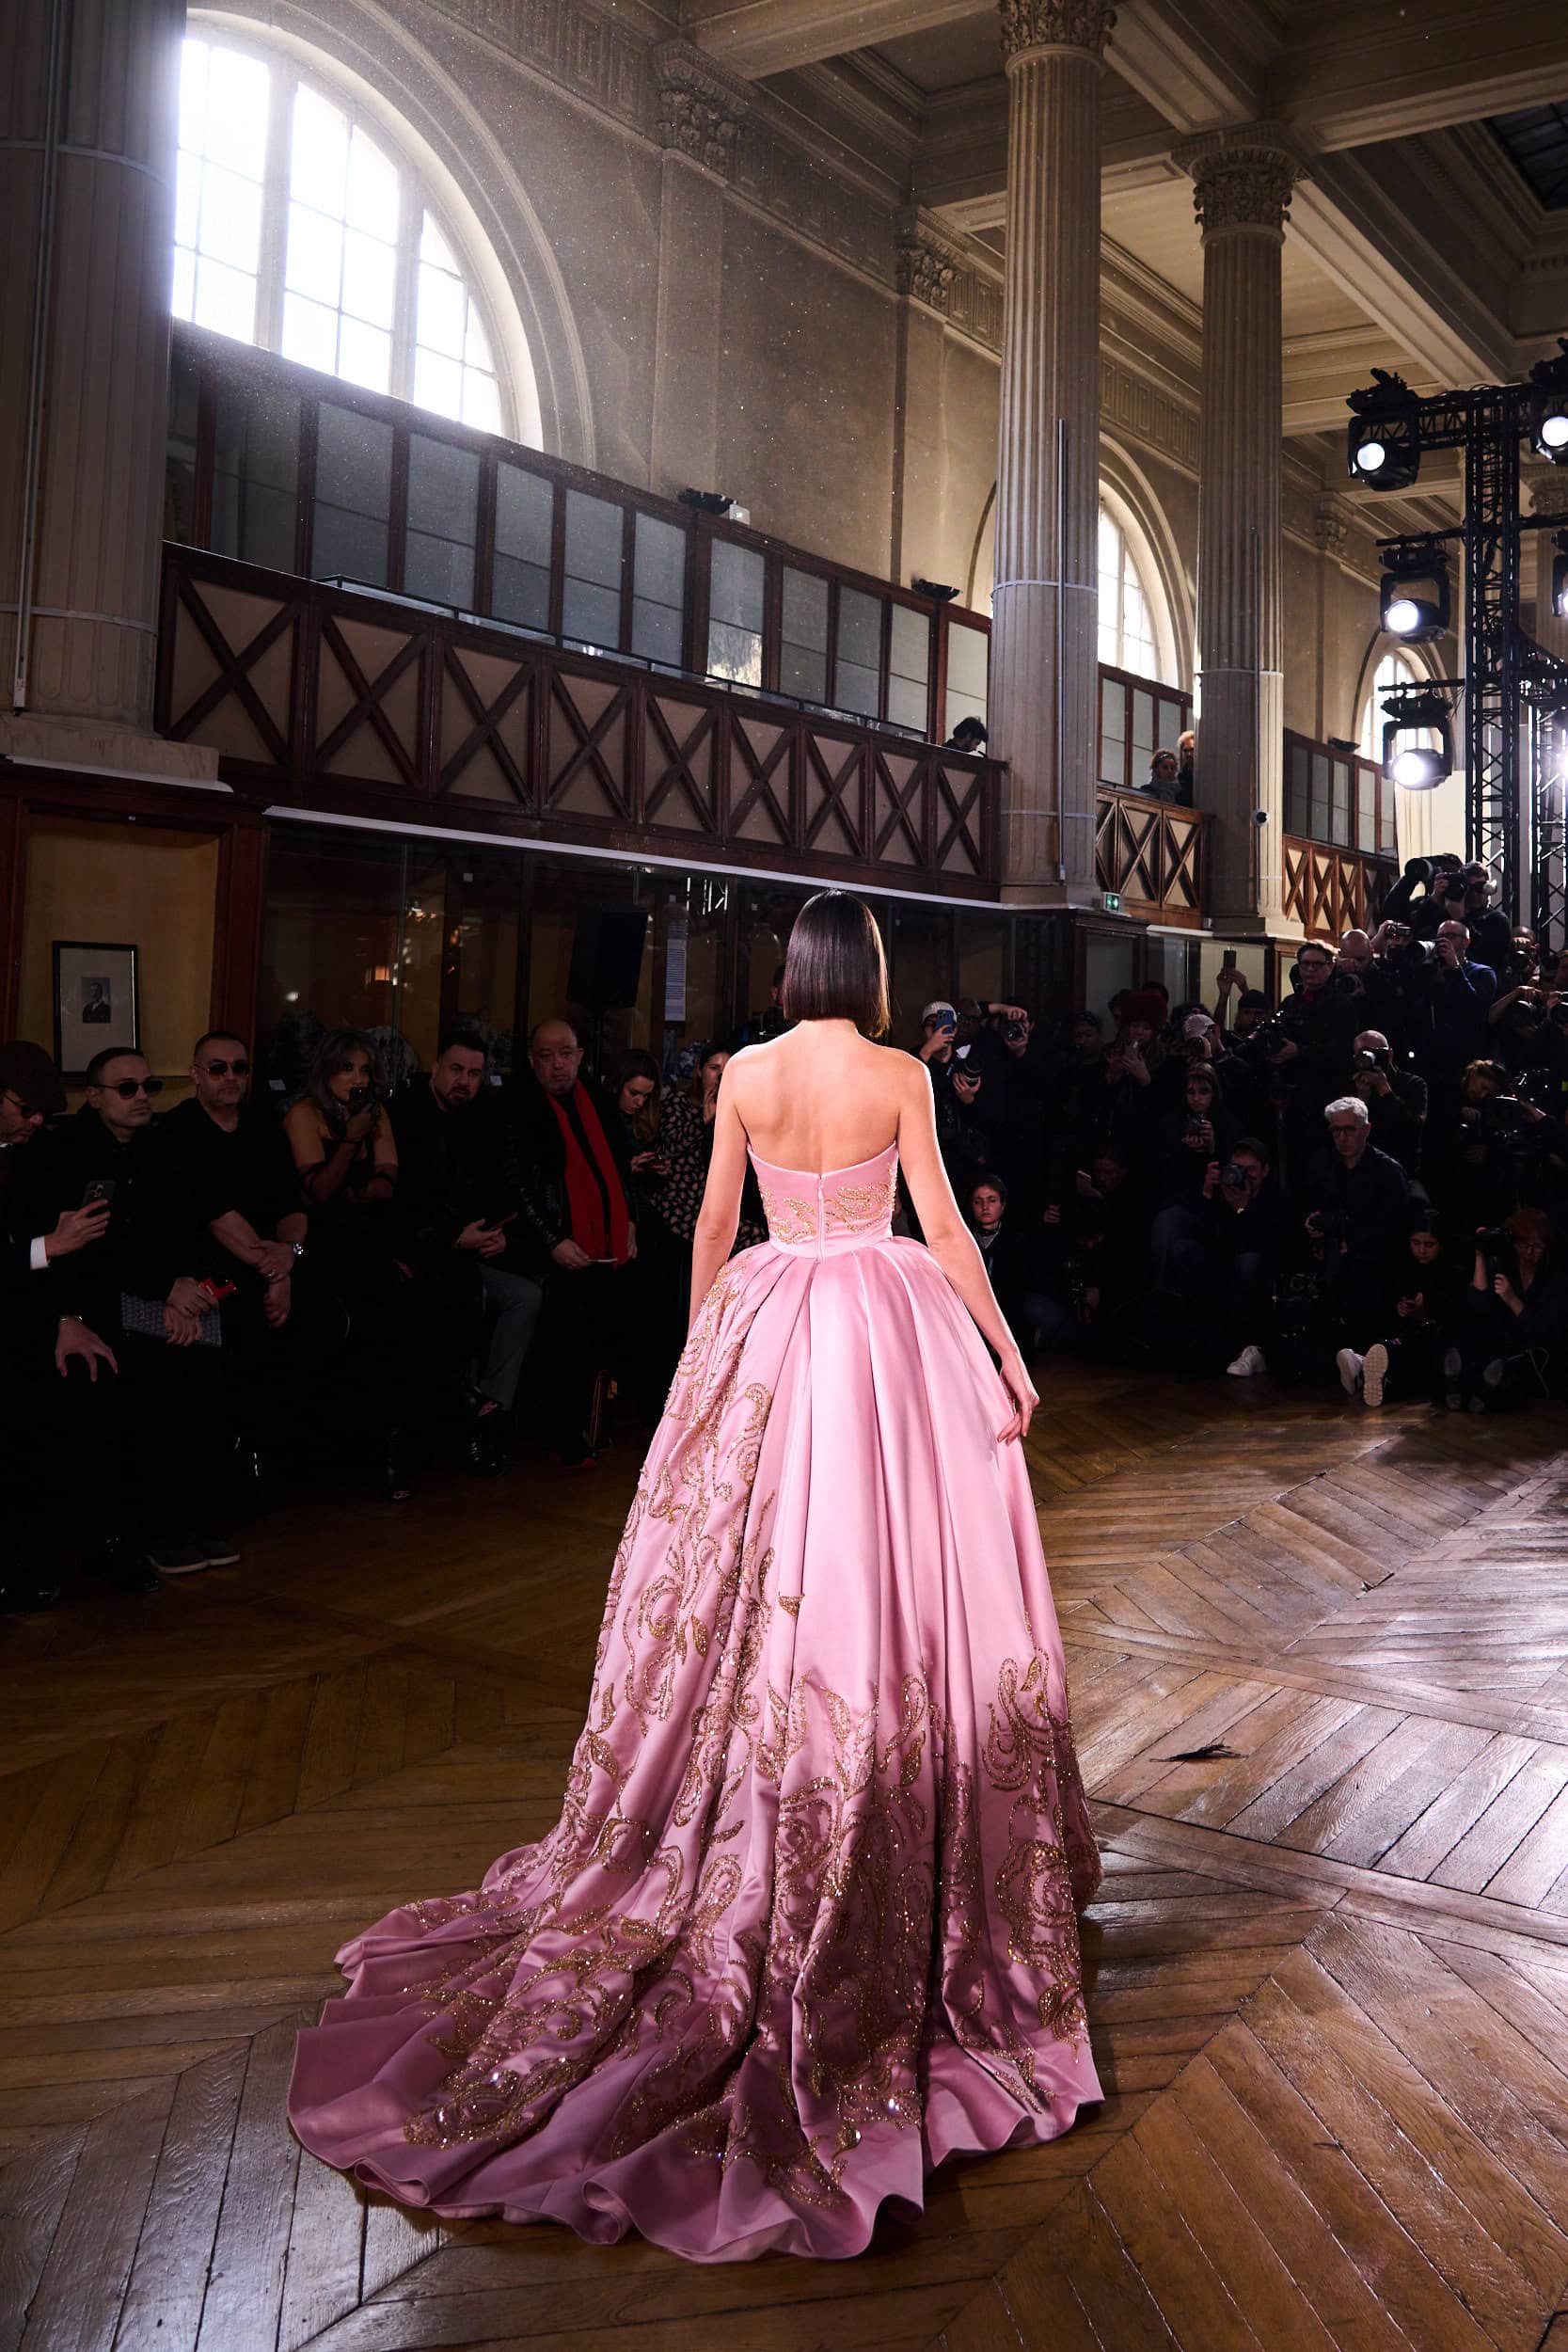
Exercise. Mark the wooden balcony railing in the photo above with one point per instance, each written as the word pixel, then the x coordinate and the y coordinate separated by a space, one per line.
pixel 1331 891
pixel 323 698
pixel 1153 856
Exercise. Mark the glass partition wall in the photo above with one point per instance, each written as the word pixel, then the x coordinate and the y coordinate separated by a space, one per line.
pixel 416 936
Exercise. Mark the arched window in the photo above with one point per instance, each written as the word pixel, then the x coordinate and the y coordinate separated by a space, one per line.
pixel 1127 640
pixel 297 229
pixel 1395 669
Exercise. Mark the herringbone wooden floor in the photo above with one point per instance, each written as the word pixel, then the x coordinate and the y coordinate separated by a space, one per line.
pixel 1320 1675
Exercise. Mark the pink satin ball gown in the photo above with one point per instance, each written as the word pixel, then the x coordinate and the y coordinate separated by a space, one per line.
pixel 807 1923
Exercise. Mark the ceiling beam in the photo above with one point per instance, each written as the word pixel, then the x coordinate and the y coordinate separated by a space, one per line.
pixel 761 37
pixel 1358 71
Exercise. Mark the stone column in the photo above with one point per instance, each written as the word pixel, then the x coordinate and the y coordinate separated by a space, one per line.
pixel 87 172
pixel 1044 640
pixel 927 264
pixel 701 111
pixel 1242 191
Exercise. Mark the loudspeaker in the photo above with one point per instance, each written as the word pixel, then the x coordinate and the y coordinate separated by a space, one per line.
pixel 607 956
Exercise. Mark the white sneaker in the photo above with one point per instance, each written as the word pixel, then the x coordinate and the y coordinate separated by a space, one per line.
pixel 1249 1365
pixel 1350 1370
pixel 1374 1375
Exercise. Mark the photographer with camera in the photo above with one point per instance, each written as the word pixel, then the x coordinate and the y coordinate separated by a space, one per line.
pixel 1194 1141
pixel 1491 1156
pixel 1396 1100
pixel 1514 1334
pixel 1094 1258
pixel 1417 901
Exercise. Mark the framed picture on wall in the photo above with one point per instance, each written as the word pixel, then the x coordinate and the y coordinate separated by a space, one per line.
pixel 95 1002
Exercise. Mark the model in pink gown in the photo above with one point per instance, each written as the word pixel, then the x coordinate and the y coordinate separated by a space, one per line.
pixel 807 1923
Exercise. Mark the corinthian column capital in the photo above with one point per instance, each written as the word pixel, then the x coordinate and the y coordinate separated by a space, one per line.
pixel 1031 24
pixel 1241 178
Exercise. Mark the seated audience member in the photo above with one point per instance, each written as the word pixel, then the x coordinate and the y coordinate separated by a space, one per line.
pixel 30 1093
pixel 634 1090
pixel 686 1128
pixel 477 1314
pixel 345 1157
pixel 1135 1057
pixel 1509 1347
pixel 568 1175
pixel 1011 1255
pixel 1357 1201
pixel 133 1328
pixel 1396 1100
pixel 967 735
pixel 241 1174
pixel 1408 1360
pixel 241 1177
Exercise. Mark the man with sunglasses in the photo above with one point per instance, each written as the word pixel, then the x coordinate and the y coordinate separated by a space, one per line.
pixel 131 1320
pixel 240 1174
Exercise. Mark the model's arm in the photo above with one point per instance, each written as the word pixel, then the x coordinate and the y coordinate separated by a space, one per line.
pixel 713 1236
pixel 951 1243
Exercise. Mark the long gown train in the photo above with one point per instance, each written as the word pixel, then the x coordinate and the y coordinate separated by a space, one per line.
pixel 807 1923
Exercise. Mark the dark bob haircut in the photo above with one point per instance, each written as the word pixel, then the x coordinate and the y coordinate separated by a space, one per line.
pixel 835 969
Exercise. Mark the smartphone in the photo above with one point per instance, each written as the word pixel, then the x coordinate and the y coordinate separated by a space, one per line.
pixel 99 1188
pixel 1227 961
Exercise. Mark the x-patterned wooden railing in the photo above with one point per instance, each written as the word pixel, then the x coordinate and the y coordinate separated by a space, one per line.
pixel 337 700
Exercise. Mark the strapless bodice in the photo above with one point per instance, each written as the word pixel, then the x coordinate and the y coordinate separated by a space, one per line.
pixel 812 1216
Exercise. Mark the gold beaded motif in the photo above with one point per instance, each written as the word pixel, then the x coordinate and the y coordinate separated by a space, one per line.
pixel 790 1220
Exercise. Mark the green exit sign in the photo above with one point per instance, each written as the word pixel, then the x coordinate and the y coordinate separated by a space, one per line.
pixel 1113 902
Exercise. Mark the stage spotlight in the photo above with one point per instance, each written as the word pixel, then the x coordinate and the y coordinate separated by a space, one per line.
pixel 1417 710
pixel 1415 594
pixel 1548 408
pixel 1383 446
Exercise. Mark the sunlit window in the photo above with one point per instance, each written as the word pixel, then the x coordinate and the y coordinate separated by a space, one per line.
pixel 296 229
pixel 1126 626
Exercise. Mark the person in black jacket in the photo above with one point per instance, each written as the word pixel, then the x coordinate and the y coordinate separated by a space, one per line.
pixel 569 1184
pixel 1509 1344
pixel 1316 1023
pixel 1407 1362
pixel 240 1171
pixel 31 1094
pixel 452 1203
pixel 1010 1254
pixel 135 1325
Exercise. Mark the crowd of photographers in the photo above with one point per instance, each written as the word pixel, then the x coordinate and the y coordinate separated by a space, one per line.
pixel 1366 1184
pixel 202 1308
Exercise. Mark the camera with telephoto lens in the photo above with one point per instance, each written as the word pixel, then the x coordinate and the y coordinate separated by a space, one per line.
pixel 1366 1059
pixel 1268 1038
pixel 1015 1031
pixel 1235 1178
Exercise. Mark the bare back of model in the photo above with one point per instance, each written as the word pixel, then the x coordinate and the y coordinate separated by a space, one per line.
pixel 820 1097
